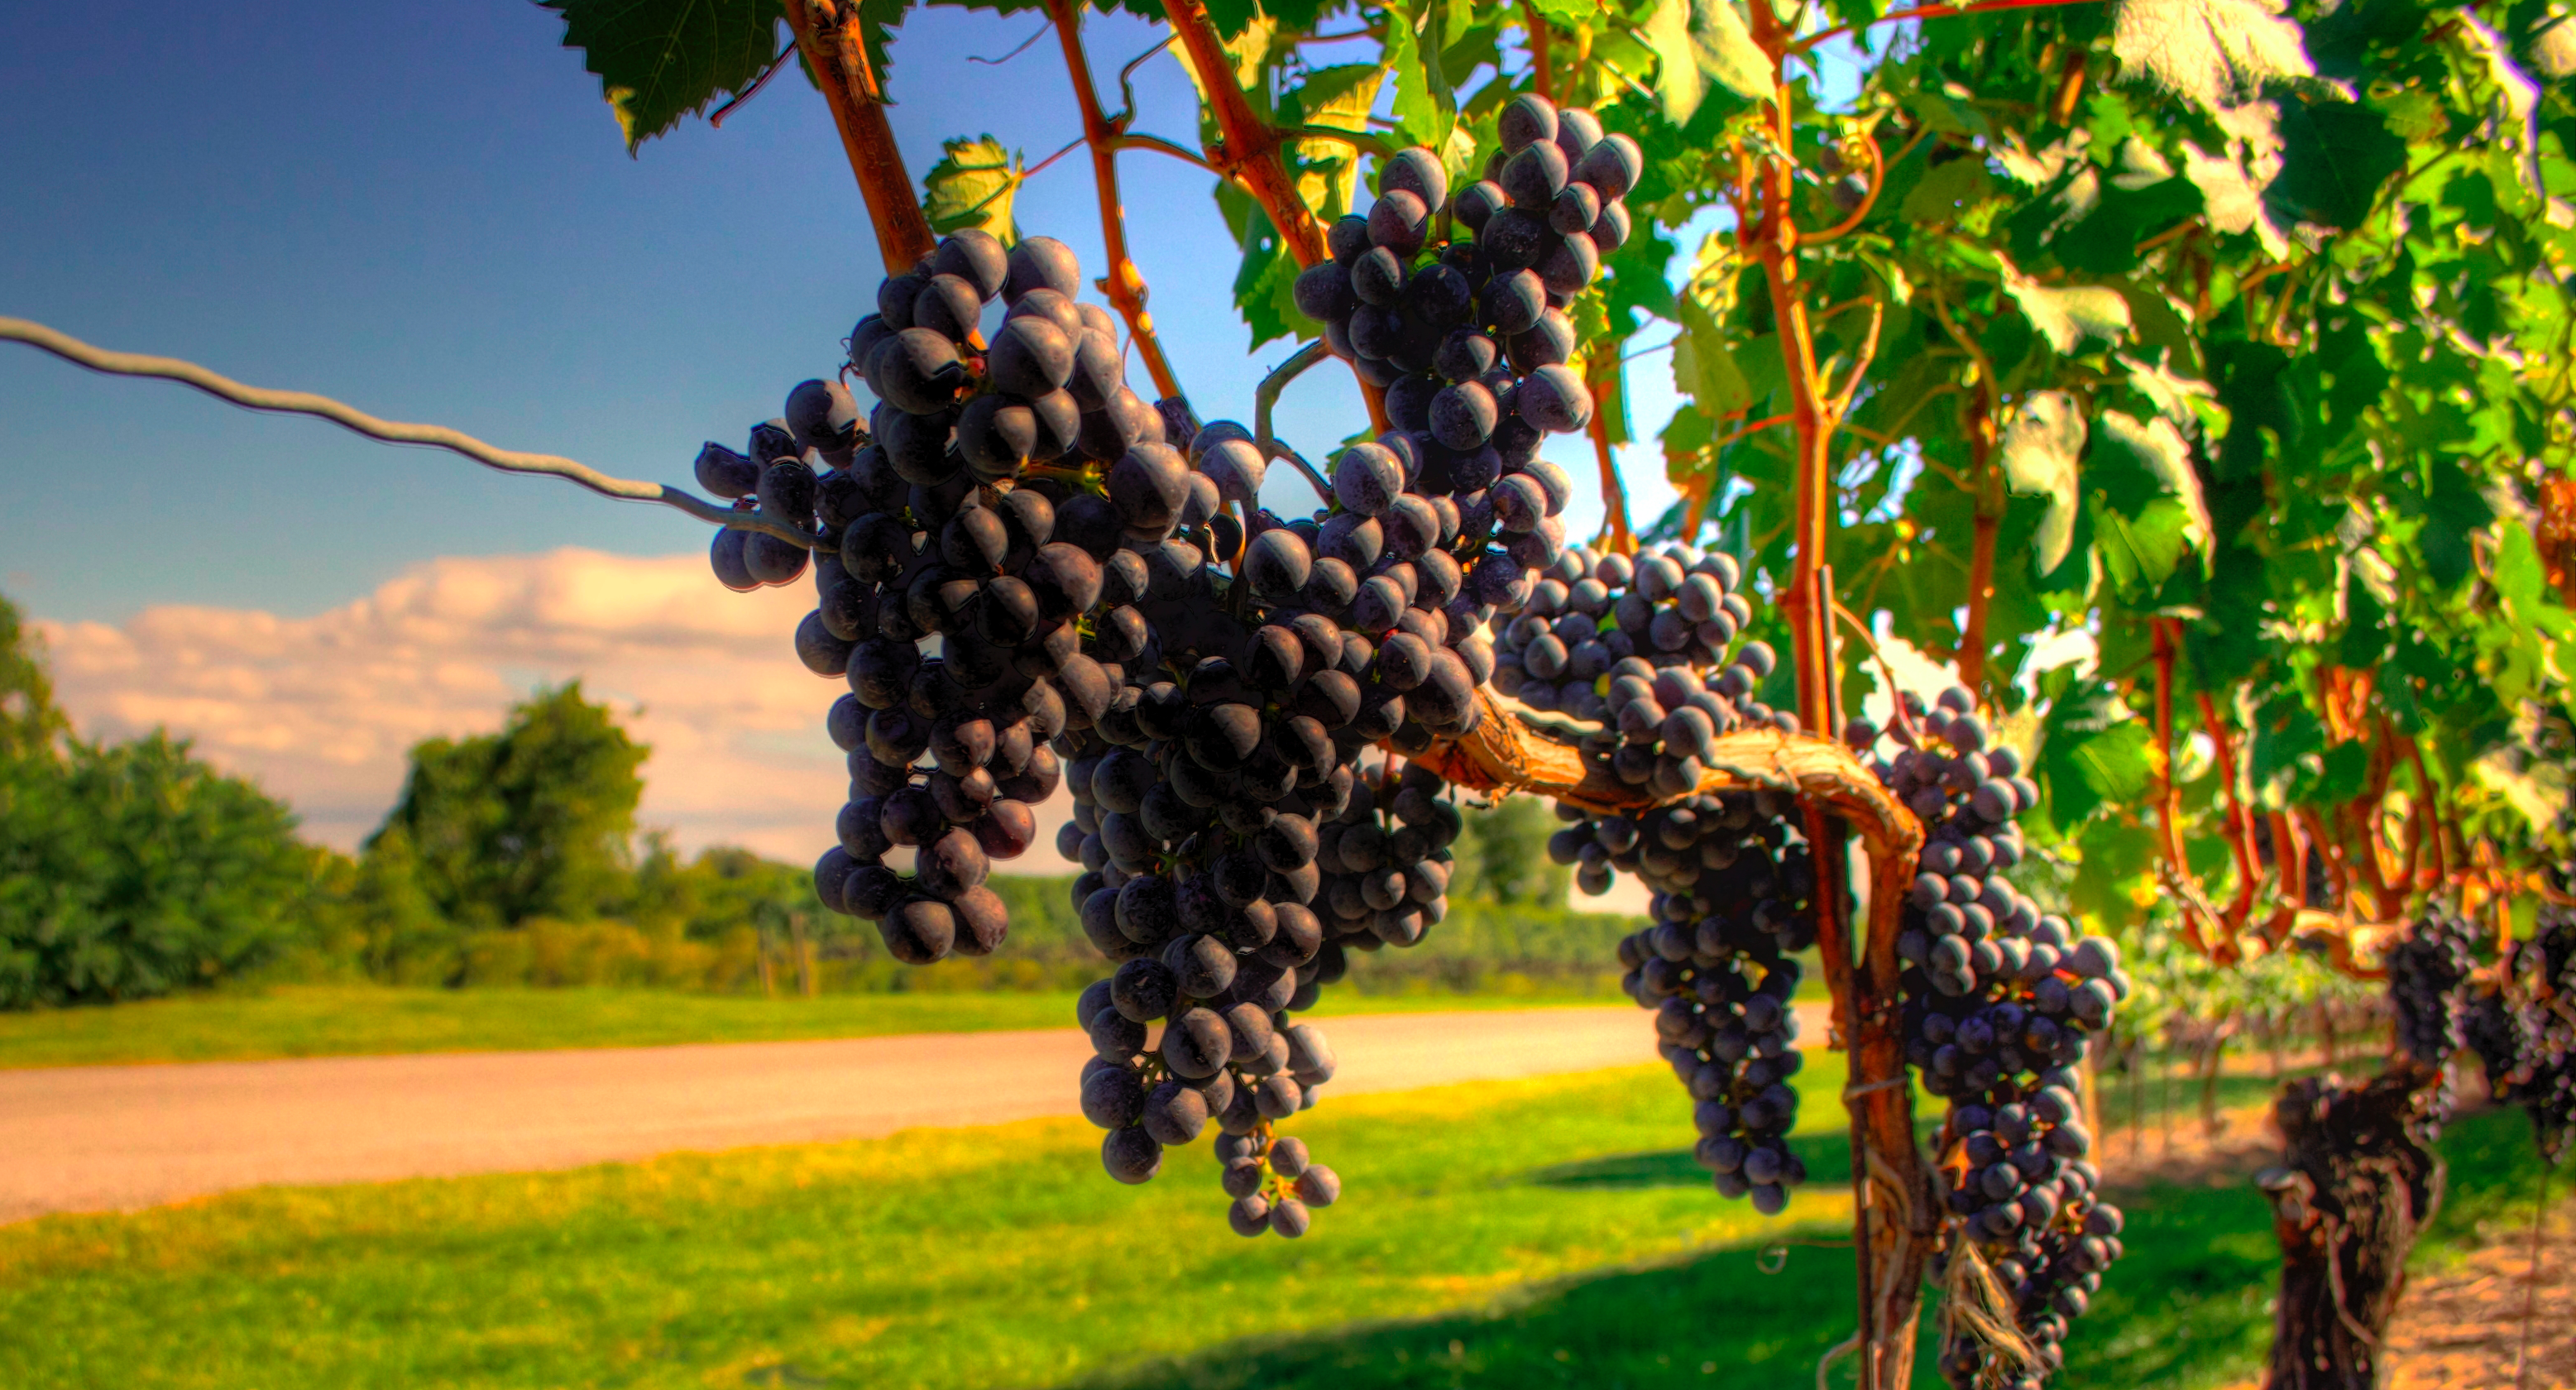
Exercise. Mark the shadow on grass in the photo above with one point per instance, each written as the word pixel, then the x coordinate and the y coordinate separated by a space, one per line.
pixel 2189 1308
pixel 1709 1320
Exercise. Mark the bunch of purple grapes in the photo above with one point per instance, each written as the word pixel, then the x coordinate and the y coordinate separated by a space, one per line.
pixel 1029 577
pixel 2523 1029
pixel 2428 979
pixel 1641 646
pixel 2001 1002
pixel 1470 339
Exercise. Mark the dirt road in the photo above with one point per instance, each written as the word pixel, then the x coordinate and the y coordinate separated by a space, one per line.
pixel 116 1138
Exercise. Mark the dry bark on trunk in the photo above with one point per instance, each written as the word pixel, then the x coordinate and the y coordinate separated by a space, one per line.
pixel 2359 1182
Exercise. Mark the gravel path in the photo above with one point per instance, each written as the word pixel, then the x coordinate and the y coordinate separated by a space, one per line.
pixel 117 1138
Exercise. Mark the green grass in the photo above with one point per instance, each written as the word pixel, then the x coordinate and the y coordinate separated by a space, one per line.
pixel 1539 1233
pixel 346 1020
pixel 982 1257
pixel 2191 1305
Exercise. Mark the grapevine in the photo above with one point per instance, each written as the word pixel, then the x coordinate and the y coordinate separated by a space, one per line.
pixel 2054 330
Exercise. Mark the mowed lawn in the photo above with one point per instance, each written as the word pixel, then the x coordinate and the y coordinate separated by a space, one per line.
pixel 987 1257
pixel 354 1020
pixel 1537 1233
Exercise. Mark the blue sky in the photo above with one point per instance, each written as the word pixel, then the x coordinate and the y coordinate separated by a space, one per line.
pixel 427 212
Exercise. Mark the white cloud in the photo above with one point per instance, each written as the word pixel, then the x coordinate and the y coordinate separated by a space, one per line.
pixel 321 710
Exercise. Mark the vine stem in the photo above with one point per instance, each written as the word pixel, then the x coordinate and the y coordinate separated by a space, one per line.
pixel 1607 386
pixel 2240 823
pixel 1247 150
pixel 1265 399
pixel 1124 284
pixel 2200 925
pixel 357 421
pixel 838 58
pixel 1894 1212
pixel 1542 71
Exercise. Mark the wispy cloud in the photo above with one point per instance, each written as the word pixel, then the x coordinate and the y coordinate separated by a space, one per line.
pixel 320 710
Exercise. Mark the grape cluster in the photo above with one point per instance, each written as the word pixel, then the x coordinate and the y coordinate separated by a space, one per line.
pixel 2523 1029
pixel 1207 909
pixel 2428 976
pixel 1640 646
pixel 1238 834
pixel 772 475
pixel 1734 901
pixel 1470 339
pixel 923 528
pixel 2001 1000
pixel 954 408
pixel 1029 576
pixel 1630 643
pixel 2049 1278
pixel 1387 864
pixel 1222 1058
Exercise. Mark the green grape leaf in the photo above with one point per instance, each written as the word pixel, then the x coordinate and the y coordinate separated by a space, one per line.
pixel 2142 551
pixel 2334 157
pixel 2039 451
pixel 2364 639
pixel 2453 510
pixel 972 186
pixel 2088 769
pixel 2106 241
pixel 2153 513
pixel 660 60
pixel 1687 437
pixel 1704 367
pixel 1699 42
pixel 2156 321
pixel 1266 281
pixel 1425 110
pixel 2341 39
pixel 1947 191
pixel 2069 317
pixel 2135 463
pixel 2213 53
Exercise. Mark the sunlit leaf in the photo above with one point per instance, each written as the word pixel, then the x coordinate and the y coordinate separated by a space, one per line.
pixel 2232 198
pixel 2133 461
pixel 1704 364
pixel 1425 110
pixel 1698 42
pixel 2215 53
pixel 2070 317
pixel 972 186
pixel 1947 191
pixel 2039 451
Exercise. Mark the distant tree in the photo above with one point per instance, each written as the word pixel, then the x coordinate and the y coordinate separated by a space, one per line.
pixel 400 935
pixel 129 870
pixel 132 870
pixel 1502 855
pixel 29 722
pixel 534 821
